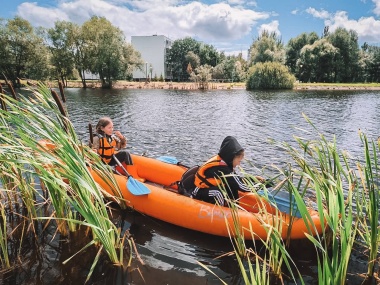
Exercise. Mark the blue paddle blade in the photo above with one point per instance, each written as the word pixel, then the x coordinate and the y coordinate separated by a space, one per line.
pixel 283 202
pixel 136 187
pixel 168 159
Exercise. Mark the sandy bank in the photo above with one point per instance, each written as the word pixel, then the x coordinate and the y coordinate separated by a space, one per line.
pixel 229 85
pixel 211 86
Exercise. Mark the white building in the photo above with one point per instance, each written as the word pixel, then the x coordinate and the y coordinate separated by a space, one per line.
pixel 153 50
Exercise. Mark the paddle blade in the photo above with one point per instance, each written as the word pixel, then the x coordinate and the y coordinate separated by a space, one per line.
pixel 168 159
pixel 136 187
pixel 283 202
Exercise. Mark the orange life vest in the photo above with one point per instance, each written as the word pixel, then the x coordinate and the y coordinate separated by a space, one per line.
pixel 201 180
pixel 106 149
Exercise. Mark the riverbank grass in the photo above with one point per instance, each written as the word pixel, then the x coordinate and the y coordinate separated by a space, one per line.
pixel 39 146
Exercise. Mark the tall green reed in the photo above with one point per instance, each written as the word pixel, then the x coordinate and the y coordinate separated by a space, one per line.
pixel 328 173
pixel 368 201
pixel 269 266
pixel 63 169
pixel 4 254
pixel 320 168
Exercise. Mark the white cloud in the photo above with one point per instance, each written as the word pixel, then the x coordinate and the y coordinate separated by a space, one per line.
pixel 214 22
pixel 40 16
pixel 172 18
pixel 271 27
pixel 376 11
pixel 322 14
pixel 142 5
pixel 235 2
pixel 368 28
pixel 295 12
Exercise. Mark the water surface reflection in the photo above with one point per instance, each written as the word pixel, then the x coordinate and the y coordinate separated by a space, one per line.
pixel 190 125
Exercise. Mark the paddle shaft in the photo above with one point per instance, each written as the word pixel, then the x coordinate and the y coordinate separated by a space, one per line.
pixel 134 186
pixel 119 164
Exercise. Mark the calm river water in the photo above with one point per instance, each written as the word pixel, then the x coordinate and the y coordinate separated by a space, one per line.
pixel 190 125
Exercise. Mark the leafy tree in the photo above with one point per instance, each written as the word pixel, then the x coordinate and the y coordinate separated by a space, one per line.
pixel 231 68
pixel 363 63
pixel 107 50
pixel 22 51
pixel 326 31
pixel 372 64
pixel 269 75
pixel 218 71
pixel 267 47
pixel 209 55
pixel 293 49
pixel 202 75
pixel 132 59
pixel 240 72
pixel 189 69
pixel 316 62
pixel 346 62
pixel 176 56
pixel 81 47
pixel 61 44
pixel 193 60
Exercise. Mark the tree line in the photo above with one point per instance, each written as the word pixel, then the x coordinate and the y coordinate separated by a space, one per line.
pixel 70 51
pixel 66 51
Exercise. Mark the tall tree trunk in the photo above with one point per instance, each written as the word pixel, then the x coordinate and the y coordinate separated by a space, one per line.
pixel 82 78
pixel 63 81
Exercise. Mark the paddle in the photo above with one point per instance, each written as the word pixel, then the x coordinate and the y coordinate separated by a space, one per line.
pixel 283 202
pixel 171 160
pixel 134 186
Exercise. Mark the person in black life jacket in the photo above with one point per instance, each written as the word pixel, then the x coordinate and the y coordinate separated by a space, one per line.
pixel 107 143
pixel 219 170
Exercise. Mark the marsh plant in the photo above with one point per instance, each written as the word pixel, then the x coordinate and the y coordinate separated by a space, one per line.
pixel 368 202
pixel 327 173
pixel 45 166
pixel 348 195
pixel 344 191
pixel 264 262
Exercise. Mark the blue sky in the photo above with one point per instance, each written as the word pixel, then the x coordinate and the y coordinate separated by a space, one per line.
pixel 229 25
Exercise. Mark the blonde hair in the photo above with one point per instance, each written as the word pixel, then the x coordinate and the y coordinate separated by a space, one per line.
pixel 103 122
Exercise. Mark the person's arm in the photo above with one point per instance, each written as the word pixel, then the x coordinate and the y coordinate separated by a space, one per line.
pixel 235 181
pixel 95 144
pixel 122 140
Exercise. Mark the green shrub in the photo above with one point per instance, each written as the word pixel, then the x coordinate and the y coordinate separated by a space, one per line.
pixel 269 75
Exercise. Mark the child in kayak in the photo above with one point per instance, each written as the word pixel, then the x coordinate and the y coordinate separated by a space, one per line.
pixel 218 172
pixel 110 144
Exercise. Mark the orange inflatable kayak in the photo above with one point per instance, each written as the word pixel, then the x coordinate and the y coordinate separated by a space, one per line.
pixel 256 216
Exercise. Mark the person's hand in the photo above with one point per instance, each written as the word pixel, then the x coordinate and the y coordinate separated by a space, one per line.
pixel 266 182
pixel 118 134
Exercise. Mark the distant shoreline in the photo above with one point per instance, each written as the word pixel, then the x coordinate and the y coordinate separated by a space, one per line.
pixel 228 85
pixel 332 86
pixel 212 85
pixel 225 85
